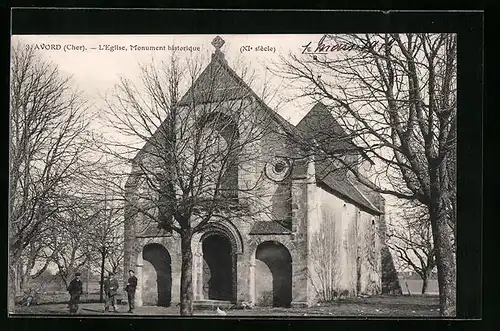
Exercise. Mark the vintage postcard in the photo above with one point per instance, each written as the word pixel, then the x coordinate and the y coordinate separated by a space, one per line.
pixel 263 175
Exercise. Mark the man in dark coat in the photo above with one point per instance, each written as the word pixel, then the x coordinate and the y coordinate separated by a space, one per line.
pixel 111 289
pixel 130 289
pixel 75 289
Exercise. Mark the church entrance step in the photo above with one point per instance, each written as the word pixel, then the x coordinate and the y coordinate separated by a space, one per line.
pixel 212 304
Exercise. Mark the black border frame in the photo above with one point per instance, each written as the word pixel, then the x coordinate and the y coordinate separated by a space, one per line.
pixel 470 29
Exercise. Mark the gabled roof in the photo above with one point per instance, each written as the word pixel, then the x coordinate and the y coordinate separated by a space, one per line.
pixel 219 82
pixel 336 179
pixel 319 126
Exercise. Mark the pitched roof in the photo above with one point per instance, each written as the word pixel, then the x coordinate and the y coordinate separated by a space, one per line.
pixel 268 227
pixel 219 82
pixel 321 127
pixel 336 179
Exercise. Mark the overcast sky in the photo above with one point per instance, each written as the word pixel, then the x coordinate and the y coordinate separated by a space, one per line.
pixel 95 71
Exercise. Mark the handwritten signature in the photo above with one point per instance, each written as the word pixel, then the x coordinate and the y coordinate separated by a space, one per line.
pixel 323 47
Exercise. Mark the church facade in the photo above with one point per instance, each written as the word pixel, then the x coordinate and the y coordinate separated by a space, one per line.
pixel 323 236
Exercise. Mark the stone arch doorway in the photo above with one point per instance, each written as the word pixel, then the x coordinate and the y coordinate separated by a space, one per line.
pixel 273 275
pixel 157 275
pixel 219 268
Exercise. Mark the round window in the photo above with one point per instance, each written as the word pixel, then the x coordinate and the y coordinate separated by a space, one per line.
pixel 279 167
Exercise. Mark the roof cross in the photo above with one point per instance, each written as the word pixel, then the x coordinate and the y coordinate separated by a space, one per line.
pixel 218 42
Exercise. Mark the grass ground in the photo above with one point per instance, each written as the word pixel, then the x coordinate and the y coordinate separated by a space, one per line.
pixel 415 286
pixel 380 306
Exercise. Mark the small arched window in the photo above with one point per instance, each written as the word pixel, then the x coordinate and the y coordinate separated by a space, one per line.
pixel 226 140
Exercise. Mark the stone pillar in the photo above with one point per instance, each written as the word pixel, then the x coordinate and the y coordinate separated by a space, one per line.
pixel 299 284
pixel 198 273
pixel 251 280
pixel 242 269
pixel 197 284
pixel 138 294
pixel 305 213
pixel 176 277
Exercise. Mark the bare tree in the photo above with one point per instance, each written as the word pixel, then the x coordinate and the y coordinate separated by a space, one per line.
pixel 47 141
pixel 33 263
pixel 411 239
pixel 395 95
pixel 107 241
pixel 70 240
pixel 193 159
pixel 325 256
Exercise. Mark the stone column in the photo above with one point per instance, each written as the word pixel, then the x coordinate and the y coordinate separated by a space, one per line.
pixel 194 284
pixel 138 294
pixel 251 280
pixel 235 271
pixel 299 280
pixel 242 274
pixel 198 273
pixel 304 213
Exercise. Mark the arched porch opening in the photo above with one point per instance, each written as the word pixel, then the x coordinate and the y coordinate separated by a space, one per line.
pixel 157 275
pixel 216 253
pixel 218 268
pixel 273 275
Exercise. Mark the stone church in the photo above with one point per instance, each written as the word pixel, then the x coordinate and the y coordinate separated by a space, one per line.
pixel 325 237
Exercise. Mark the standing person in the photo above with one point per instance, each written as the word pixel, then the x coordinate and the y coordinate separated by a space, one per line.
pixel 130 289
pixel 111 290
pixel 75 289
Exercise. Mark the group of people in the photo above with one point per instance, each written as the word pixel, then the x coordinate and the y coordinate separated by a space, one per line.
pixel 110 287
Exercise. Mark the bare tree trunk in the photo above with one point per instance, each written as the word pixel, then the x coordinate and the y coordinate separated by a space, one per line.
pixel 101 286
pixel 186 274
pixel 21 278
pixel 424 284
pixel 12 288
pixel 407 287
pixel 445 260
pixel 12 278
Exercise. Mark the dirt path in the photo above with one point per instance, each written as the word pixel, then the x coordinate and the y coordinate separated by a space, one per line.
pixel 383 306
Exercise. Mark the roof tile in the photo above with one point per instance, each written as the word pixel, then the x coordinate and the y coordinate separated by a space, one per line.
pixel 336 179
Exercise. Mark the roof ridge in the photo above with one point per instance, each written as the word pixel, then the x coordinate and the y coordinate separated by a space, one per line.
pixel 363 195
pixel 222 62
